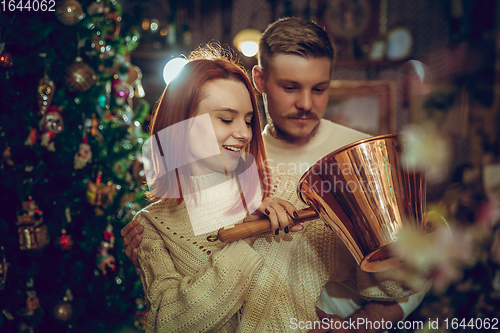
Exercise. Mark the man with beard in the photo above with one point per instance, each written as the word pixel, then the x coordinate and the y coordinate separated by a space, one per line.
pixel 296 60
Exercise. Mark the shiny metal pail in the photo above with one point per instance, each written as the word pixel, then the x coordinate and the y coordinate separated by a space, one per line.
pixel 366 193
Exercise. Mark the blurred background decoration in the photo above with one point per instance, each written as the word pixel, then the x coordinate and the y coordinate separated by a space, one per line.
pixel 247 42
pixel 78 90
pixel 71 132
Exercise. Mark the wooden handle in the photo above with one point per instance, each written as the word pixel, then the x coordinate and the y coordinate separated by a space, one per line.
pixel 243 230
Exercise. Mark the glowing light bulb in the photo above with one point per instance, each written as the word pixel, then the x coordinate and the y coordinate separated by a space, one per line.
pixel 249 49
pixel 172 69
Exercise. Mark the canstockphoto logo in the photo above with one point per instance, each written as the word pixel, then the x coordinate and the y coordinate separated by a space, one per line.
pixel 211 197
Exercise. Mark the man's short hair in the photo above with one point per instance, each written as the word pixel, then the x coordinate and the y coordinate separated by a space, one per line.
pixel 293 35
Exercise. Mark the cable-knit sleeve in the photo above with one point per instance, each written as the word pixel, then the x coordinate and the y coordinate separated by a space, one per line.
pixel 203 301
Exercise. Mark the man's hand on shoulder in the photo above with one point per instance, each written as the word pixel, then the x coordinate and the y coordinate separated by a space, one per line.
pixel 131 234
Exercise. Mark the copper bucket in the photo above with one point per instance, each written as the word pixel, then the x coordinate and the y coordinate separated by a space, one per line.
pixel 366 193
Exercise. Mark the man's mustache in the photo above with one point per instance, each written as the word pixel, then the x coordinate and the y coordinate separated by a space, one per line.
pixel 305 115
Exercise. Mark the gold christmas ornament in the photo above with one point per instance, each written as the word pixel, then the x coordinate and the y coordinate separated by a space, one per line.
pixel 115 30
pixel 46 89
pixel 33 235
pixel 79 76
pixel 63 311
pixel 99 194
pixel 27 239
pixel 134 79
pixel 69 12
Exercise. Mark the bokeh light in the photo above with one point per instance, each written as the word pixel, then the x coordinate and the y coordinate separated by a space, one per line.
pixel 172 69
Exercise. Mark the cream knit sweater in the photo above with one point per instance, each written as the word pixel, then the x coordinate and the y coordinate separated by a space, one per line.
pixel 291 159
pixel 193 285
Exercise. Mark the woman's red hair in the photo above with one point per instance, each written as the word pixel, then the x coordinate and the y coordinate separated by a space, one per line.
pixel 180 101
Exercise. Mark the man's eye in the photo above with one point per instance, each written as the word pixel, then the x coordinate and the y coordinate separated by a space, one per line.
pixel 289 88
pixel 318 90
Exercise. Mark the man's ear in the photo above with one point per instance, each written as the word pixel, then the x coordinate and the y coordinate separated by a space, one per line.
pixel 258 78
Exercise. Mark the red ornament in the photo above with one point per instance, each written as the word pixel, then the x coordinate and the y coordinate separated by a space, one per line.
pixel 104 259
pixel 65 242
pixel 120 89
pixel 108 236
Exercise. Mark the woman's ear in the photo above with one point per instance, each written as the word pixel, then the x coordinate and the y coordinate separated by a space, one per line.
pixel 258 78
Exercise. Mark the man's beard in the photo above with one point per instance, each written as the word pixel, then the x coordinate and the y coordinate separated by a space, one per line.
pixel 293 139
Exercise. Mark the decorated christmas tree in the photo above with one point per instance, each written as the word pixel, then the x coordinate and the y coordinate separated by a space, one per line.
pixel 71 132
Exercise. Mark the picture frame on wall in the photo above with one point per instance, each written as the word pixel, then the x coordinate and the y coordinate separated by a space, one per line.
pixel 350 23
pixel 366 106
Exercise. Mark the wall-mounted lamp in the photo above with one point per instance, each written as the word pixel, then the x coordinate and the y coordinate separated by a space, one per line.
pixel 247 41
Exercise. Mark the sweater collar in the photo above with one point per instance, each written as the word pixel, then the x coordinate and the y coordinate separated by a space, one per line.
pixel 316 140
pixel 209 180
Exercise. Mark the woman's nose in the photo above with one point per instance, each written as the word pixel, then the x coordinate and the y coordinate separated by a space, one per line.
pixel 243 132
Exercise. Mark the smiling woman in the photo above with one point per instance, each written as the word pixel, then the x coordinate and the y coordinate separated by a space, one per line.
pixel 206 153
pixel 205 84
pixel 230 108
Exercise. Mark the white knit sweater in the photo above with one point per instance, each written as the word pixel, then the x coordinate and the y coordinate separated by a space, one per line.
pixel 193 285
pixel 291 159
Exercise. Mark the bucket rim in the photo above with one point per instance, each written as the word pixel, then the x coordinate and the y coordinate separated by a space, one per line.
pixel 338 151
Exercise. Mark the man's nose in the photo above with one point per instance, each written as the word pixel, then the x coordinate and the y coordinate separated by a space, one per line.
pixel 304 100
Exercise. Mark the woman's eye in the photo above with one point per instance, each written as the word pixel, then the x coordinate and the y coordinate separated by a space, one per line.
pixel 226 121
pixel 249 123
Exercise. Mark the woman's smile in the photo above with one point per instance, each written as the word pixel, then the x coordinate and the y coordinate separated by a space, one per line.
pixel 230 108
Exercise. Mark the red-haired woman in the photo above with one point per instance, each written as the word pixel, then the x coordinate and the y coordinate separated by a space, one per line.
pixel 207 169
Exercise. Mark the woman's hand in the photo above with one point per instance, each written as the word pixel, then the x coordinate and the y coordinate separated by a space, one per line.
pixel 279 213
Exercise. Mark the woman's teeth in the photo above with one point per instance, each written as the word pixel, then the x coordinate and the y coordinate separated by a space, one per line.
pixel 232 148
